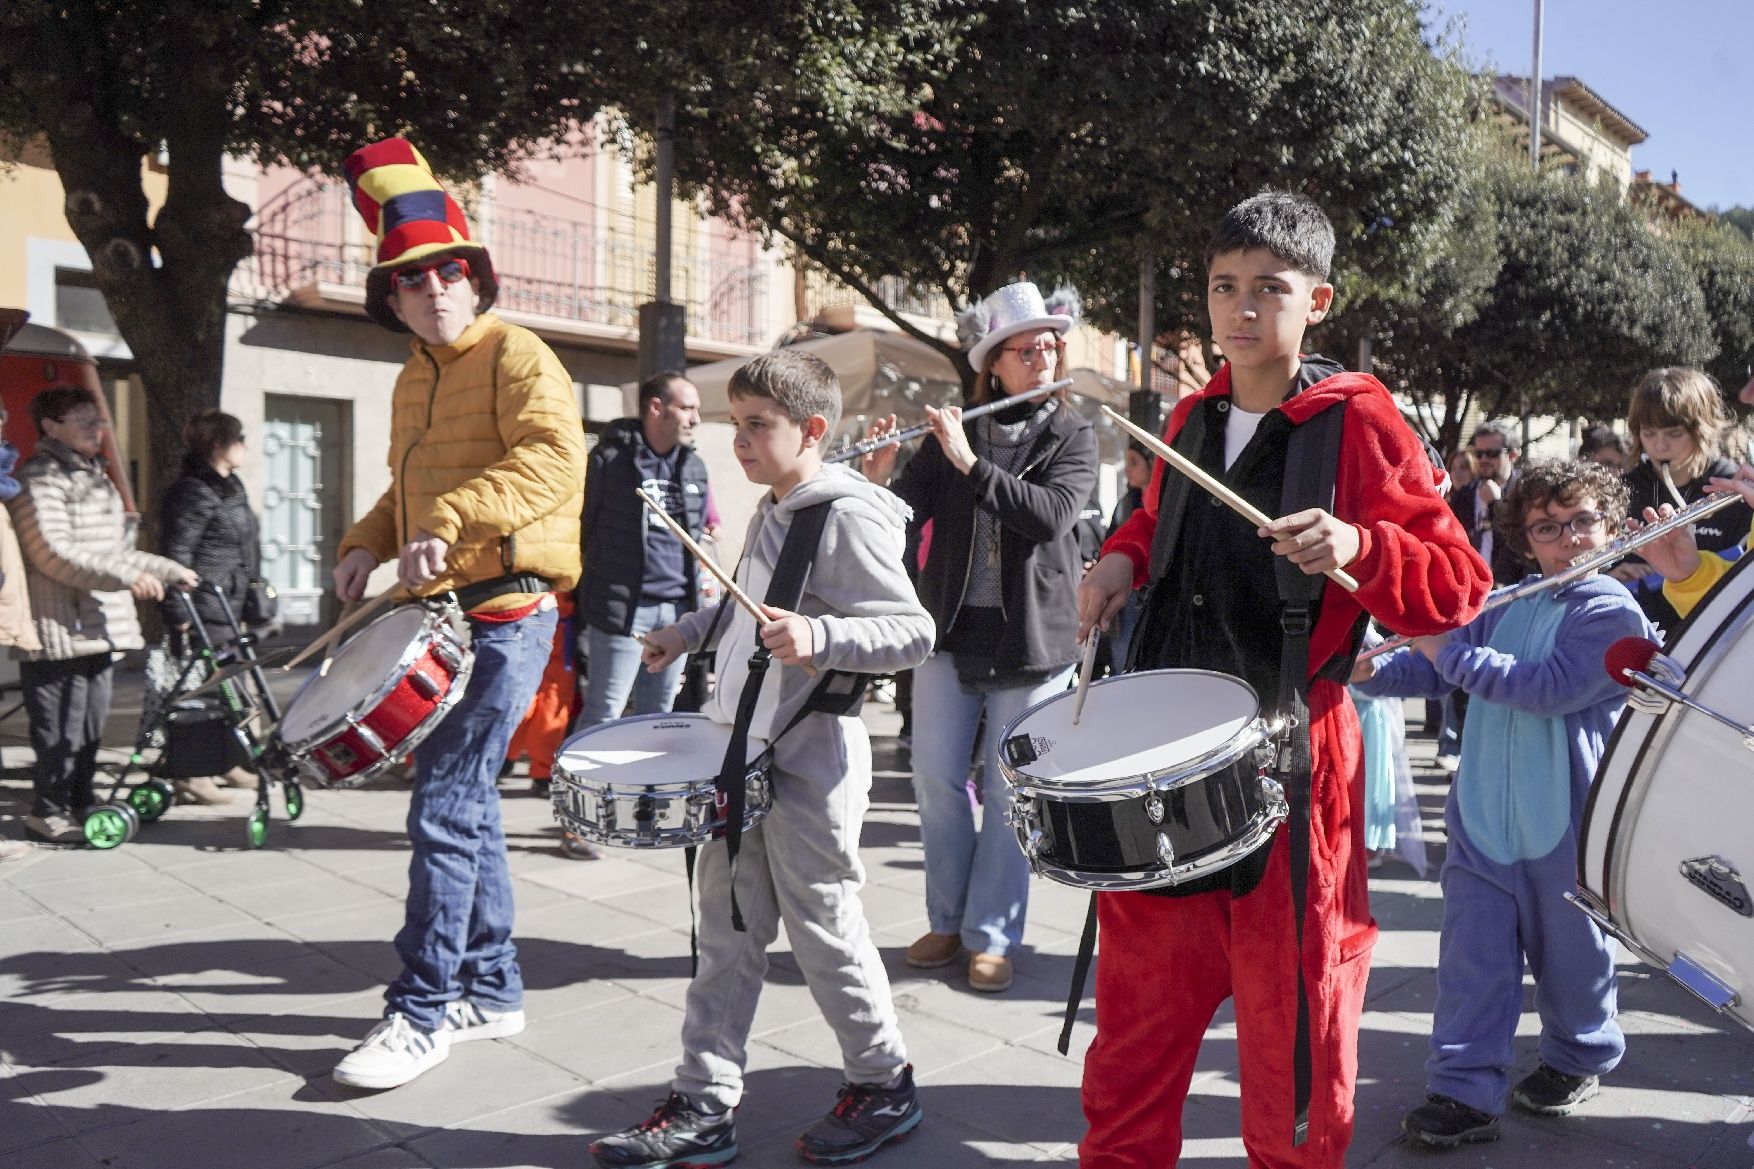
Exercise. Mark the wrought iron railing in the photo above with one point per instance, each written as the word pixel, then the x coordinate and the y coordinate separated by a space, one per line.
pixel 825 292
pixel 567 269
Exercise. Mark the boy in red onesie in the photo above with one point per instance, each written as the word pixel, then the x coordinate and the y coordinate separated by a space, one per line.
pixel 1170 957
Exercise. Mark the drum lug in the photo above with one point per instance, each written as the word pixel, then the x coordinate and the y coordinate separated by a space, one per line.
pixel 425 686
pixel 1165 850
pixel 1033 844
pixel 370 738
pixel 449 653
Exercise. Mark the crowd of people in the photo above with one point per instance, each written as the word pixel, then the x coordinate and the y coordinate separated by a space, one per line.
pixel 965 567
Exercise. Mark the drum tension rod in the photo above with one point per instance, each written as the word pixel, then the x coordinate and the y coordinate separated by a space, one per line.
pixel 1646 682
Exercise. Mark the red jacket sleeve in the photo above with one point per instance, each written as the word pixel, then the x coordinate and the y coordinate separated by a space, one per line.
pixel 1133 538
pixel 1416 572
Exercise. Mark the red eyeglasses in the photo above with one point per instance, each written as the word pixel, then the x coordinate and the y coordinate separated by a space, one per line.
pixel 448 272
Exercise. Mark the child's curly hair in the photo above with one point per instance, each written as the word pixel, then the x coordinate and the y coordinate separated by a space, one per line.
pixel 1561 481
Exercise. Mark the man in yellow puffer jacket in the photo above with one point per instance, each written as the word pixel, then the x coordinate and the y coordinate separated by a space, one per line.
pixel 487 473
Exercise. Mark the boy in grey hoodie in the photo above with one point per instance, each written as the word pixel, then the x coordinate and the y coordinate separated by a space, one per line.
pixel 800 864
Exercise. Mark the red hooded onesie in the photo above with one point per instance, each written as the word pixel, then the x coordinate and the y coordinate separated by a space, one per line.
pixel 1167 963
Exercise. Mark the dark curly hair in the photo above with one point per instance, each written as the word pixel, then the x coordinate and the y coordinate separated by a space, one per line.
pixel 1561 481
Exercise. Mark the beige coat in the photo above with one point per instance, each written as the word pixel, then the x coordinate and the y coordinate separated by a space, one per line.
pixel 79 557
pixel 16 628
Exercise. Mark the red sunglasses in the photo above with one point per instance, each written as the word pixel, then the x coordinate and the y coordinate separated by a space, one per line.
pixel 448 272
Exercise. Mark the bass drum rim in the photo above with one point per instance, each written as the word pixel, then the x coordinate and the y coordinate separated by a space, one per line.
pixel 1718 614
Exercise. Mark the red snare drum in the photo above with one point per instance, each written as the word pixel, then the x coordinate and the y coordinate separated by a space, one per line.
pixel 385 690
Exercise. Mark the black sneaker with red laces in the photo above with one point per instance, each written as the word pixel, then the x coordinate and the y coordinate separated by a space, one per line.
pixel 676 1136
pixel 865 1117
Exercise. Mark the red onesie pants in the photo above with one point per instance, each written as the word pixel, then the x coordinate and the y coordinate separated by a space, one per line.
pixel 1168 963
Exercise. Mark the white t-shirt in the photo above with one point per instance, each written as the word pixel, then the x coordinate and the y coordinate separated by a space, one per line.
pixel 1239 427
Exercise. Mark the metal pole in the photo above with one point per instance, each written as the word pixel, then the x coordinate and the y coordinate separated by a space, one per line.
pixel 1535 93
pixel 666 184
pixel 663 324
pixel 1142 404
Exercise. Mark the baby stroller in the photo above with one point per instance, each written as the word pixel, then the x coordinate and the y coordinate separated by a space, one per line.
pixel 216 715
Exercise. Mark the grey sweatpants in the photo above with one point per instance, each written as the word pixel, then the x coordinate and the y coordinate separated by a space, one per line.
pixel 800 865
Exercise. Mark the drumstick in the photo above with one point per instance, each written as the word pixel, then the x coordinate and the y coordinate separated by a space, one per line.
pixel 708 563
pixel 1085 669
pixel 348 621
pixel 1224 494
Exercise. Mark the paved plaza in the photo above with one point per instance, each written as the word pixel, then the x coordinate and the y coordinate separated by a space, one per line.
pixel 178 1003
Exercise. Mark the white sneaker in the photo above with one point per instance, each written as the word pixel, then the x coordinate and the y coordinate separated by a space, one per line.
pixel 1449 763
pixel 393 1054
pixel 466 1020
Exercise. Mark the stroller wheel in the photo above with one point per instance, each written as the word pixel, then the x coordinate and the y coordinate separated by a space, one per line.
pixel 256 828
pixel 294 797
pixel 151 799
pixel 111 825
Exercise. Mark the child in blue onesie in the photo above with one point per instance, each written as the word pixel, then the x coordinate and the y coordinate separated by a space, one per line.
pixel 1540 712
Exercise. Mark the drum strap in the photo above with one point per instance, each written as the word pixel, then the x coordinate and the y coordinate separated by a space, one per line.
pixel 1311 459
pixel 784 591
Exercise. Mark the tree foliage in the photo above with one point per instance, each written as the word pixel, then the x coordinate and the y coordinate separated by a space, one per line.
pixel 107 83
pixel 1721 260
pixel 1061 138
pixel 1552 296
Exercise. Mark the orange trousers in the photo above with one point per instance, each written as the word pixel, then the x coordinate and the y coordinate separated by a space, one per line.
pixel 557 700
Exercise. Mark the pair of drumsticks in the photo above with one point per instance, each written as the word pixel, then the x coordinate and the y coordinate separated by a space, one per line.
pixel 707 562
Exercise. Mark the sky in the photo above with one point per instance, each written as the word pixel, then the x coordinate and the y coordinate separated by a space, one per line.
pixel 1683 70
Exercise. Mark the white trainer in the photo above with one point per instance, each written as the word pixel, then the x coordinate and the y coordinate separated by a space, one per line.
pixel 393 1054
pixel 466 1019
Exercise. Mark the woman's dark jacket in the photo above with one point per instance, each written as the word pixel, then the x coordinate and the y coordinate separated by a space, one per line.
pixel 205 523
pixel 1039 559
pixel 1718 532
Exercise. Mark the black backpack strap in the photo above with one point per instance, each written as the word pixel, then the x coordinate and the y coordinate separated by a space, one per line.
pixel 1312 459
pixel 783 592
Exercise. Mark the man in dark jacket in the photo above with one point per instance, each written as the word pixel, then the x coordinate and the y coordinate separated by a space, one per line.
pixel 1495 449
pixel 638 576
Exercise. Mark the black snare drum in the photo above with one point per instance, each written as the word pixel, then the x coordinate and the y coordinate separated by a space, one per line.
pixel 1160 783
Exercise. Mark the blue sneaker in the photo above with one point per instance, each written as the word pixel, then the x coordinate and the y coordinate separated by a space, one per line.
pixel 865 1117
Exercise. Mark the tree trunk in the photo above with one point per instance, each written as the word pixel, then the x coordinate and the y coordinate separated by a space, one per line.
pixel 164 279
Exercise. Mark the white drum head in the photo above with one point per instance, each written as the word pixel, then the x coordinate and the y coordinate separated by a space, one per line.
pixel 362 665
pixel 1134 725
pixel 1672 794
pixel 649 750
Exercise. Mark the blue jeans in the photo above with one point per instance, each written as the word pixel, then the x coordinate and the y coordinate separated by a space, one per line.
pixel 614 671
pixel 977 880
pixel 456 940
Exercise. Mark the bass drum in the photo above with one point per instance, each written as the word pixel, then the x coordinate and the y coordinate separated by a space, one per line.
pixel 1666 855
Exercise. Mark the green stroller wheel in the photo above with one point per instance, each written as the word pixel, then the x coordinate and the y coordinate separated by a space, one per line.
pixel 294 796
pixel 256 828
pixel 151 799
pixel 111 825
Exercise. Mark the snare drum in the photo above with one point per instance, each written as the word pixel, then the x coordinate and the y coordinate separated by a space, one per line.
pixel 647 782
pixel 386 688
pixel 1666 852
pixel 1162 781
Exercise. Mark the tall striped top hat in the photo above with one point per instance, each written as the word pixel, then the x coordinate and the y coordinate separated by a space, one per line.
pixel 414 218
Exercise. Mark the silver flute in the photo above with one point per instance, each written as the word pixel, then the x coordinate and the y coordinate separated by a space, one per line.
pixel 1590 561
pixel 866 446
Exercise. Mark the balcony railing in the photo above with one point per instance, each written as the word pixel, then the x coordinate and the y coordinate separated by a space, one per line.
pixel 566 269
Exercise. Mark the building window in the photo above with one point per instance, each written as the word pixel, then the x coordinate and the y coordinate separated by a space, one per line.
pixel 79 305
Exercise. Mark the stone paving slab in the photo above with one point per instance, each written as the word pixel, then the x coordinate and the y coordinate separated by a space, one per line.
pixel 179 1002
